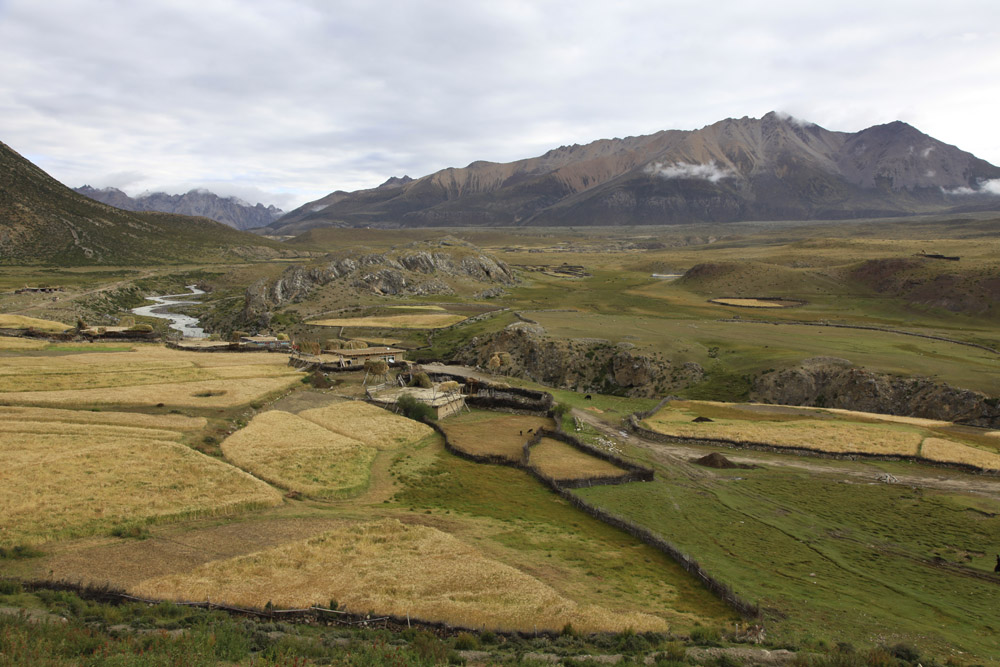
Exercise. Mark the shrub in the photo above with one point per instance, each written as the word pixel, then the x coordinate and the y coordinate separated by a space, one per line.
pixel 19 551
pixel 488 637
pixel 136 531
pixel 142 328
pixel 430 648
pixel 905 652
pixel 9 587
pixel 466 642
pixel 414 409
pixel 704 636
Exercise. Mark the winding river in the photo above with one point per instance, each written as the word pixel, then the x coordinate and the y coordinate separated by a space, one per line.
pixel 187 325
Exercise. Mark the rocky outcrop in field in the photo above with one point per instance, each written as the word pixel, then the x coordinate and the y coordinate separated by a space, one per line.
pixel 580 365
pixel 836 383
pixel 409 271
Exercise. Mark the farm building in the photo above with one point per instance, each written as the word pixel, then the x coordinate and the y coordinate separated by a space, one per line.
pixel 357 358
pixel 444 401
pixel 269 342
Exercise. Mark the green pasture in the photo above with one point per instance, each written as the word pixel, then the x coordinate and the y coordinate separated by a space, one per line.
pixel 747 348
pixel 831 560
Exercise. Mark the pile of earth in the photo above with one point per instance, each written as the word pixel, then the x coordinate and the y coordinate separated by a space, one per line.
pixel 717 460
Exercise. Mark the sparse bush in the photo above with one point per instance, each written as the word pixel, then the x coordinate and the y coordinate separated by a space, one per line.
pixel 142 328
pixel 19 552
pixel 905 652
pixel 430 648
pixel 414 409
pixel 135 531
pixel 704 636
pixel 9 587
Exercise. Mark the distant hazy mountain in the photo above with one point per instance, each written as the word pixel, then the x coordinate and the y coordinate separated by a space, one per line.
pixel 231 211
pixel 773 168
pixel 44 222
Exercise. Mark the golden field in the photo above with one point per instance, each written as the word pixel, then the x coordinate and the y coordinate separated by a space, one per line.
pixel 558 460
pixel 492 433
pixel 15 343
pixel 207 394
pixel 8 321
pixel 73 484
pixel 947 451
pixel 751 303
pixel 839 437
pixel 370 424
pixel 360 565
pixel 417 321
pixel 169 422
pixel 298 455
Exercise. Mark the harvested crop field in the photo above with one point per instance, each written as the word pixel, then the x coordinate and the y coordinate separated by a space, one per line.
pixel 207 394
pixel 946 451
pixel 371 425
pixel 76 483
pixel 170 422
pixel 418 321
pixel 298 455
pixel 8 321
pixel 359 565
pixel 839 437
pixel 492 433
pixel 758 303
pixel 560 461
pixel 15 343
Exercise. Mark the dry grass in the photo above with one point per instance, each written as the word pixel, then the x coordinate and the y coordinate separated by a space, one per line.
pixel 753 303
pixel 492 433
pixel 371 425
pixel 8 321
pixel 15 343
pixel 419 321
pixel 558 460
pixel 445 580
pixel 206 394
pixel 66 485
pixel 100 431
pixel 897 419
pixel 169 422
pixel 834 436
pixel 298 455
pixel 939 449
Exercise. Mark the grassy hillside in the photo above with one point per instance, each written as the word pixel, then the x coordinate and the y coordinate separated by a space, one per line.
pixel 44 222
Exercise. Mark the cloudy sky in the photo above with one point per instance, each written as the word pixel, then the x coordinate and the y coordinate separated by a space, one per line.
pixel 283 101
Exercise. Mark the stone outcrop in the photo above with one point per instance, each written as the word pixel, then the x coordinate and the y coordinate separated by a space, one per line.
pixel 836 383
pixel 580 365
pixel 402 272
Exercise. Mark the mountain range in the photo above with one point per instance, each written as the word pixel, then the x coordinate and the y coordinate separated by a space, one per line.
pixel 773 168
pixel 44 222
pixel 231 211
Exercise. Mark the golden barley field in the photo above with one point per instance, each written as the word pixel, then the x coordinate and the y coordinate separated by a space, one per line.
pixel 370 424
pixel 492 433
pixel 415 321
pixel 392 568
pixel 8 321
pixel 206 394
pixel 169 422
pixel 558 460
pixel 947 451
pixel 835 436
pixel 752 303
pixel 71 484
pixel 15 343
pixel 298 455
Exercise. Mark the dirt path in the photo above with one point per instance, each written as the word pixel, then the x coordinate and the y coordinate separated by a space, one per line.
pixel 679 457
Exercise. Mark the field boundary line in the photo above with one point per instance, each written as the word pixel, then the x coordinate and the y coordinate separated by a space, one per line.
pixel 863 327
